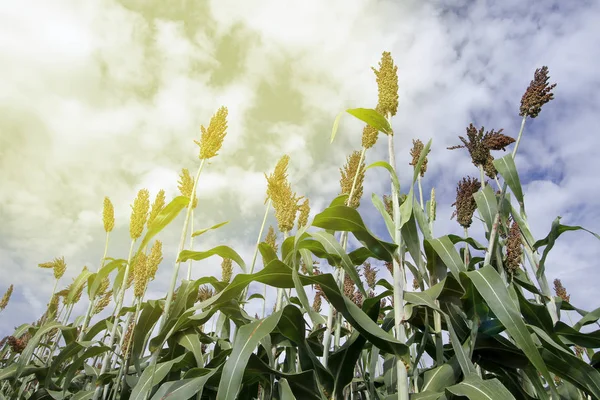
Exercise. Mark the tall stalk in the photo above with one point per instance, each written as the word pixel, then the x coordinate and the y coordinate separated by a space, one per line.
pixel 398 276
pixel 88 313
pixel 111 340
pixel 339 272
pixel 184 230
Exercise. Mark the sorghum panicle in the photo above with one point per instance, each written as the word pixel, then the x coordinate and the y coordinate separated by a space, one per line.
pixel 154 259
pixel 157 206
pixel 108 215
pixel 212 137
pixel 186 185
pixel 465 203
pixel 537 94
pixel 226 270
pixel 140 273
pixel 561 291
pixel 513 249
pixel 6 298
pixel 387 85
pixel 304 211
pixel 103 302
pixel 204 293
pixel 370 274
pixel 415 152
pixel 348 173
pixel 139 213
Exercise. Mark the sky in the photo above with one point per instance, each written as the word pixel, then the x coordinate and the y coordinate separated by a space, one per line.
pixel 104 98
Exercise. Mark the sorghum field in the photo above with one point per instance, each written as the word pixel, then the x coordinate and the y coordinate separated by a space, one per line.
pixel 478 320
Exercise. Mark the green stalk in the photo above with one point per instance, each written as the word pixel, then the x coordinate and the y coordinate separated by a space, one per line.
pixel 179 250
pixel 189 272
pixel 399 283
pixel 113 331
pixel 127 359
pixel 532 256
pixel 88 313
pixel 420 191
pixel 339 274
pixel 280 291
pixel 260 233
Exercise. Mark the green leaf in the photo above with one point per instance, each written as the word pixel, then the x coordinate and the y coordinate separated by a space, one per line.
pixel 589 318
pixel 393 176
pixel 507 168
pixel 447 252
pixel 204 230
pixel 185 388
pixel 151 313
pixel 332 246
pixel 222 251
pixel 33 343
pixel 164 218
pixel 389 223
pixel 315 317
pixel 406 208
pixel 147 381
pixel 487 205
pixel 476 388
pixel 342 218
pixel 95 279
pixel 590 340
pixel 556 230
pixel 336 124
pixel 77 285
pixel 247 338
pixel 285 392
pixel 491 287
pixel 190 340
pixel 441 377
pixel 372 118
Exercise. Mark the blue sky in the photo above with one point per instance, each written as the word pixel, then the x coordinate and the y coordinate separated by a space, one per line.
pixel 105 98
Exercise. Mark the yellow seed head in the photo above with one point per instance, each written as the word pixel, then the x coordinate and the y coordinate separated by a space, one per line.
pixel 126 350
pixel 48 265
pixel 140 273
pixel 286 207
pixel 277 178
pixel 348 173
pixel 139 214
pixel 157 206
pixel 387 84
pixel 154 259
pixel 103 302
pixel 186 186
pixel 212 137
pixel 226 270
pixel 271 239
pixel 6 297
pixel 304 211
pixel 52 306
pixel 204 293
pixel 59 267
pixel 103 286
pixel 369 136
pixel 108 215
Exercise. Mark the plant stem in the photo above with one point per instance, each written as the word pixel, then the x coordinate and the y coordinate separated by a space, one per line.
pixel 398 276
pixel 189 272
pixel 339 272
pixel 113 331
pixel 175 274
pixel 88 314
